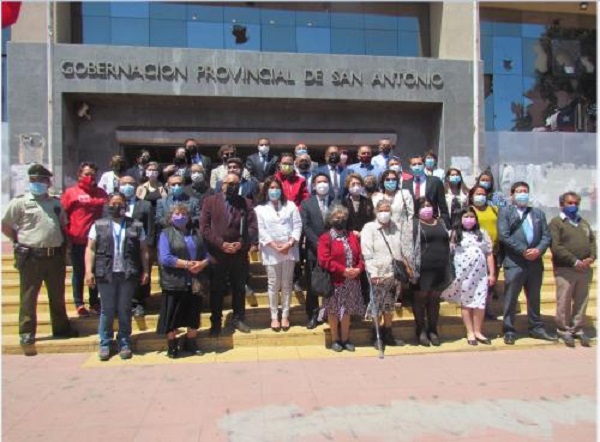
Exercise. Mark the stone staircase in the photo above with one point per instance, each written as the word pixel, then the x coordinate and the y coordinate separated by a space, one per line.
pixel 257 314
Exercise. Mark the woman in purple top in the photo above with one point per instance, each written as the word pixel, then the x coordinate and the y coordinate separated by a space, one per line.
pixel 183 261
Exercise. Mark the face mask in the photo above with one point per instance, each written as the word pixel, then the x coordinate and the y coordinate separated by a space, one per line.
pixel 303 165
pixel 479 200
pixel 177 190
pixel 485 184
pixel 390 185
pixel 232 189
pixel 274 194
pixel 570 211
pixel 429 163
pixel 145 159
pixel 87 182
pixel 386 150
pixel 426 213
pixel 338 224
pixel 118 169
pixel 355 190
pixel 179 221
pixel 334 158
pixel 197 177
pixel 128 190
pixel 263 149
pixel 38 189
pixel 152 173
pixel 468 223
pixel 417 170
pixel 365 159
pixel 301 152
pixel 322 188
pixel 396 168
pixel 521 199
pixel 344 158
pixel 384 217
pixel 179 161
pixel 454 179
pixel 371 187
pixel 286 169
pixel 116 211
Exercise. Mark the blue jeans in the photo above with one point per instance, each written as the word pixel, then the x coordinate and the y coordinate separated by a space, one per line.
pixel 116 299
pixel 77 279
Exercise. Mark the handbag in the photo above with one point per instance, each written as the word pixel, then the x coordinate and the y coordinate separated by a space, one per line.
pixel 321 280
pixel 400 271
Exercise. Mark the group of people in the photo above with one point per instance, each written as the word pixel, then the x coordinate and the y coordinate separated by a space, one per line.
pixel 361 223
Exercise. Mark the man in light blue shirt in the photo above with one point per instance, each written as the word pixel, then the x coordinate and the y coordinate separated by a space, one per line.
pixel 364 167
pixel 385 148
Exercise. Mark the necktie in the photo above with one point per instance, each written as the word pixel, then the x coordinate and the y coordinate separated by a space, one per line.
pixel 418 189
pixel 335 181
pixel 264 160
pixel 323 207
pixel 528 230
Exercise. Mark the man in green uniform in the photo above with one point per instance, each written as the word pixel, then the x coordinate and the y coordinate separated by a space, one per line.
pixel 34 222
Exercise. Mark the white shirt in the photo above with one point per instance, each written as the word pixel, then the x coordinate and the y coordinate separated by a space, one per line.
pixel 119 233
pixel 400 197
pixel 279 225
pixel 380 161
pixel 107 182
pixel 423 180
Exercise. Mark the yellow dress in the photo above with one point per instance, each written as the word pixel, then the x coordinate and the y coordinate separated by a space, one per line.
pixel 488 219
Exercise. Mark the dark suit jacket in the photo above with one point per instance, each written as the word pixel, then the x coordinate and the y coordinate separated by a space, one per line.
pixel 516 244
pixel 313 223
pixel 249 188
pixel 365 214
pixel 164 205
pixel 138 173
pixel 219 226
pixel 205 161
pixel 255 166
pixel 342 174
pixel 434 192
pixel 144 212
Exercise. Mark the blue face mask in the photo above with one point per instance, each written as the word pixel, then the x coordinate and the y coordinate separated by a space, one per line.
pixel 479 200
pixel 454 179
pixel 390 185
pixel 485 184
pixel 177 190
pixel 521 199
pixel 429 163
pixel 301 152
pixel 128 190
pixel 274 194
pixel 417 170
pixel 38 189
pixel 571 211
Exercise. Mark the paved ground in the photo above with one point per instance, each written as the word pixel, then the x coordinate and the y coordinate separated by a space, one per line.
pixel 541 394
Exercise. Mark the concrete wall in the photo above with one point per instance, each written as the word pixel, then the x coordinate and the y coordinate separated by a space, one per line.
pixel 451 29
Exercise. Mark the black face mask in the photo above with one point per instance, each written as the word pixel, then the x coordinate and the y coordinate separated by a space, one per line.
pixel 226 156
pixel 303 165
pixel 116 211
pixel 179 161
pixel 232 190
pixel 338 224
pixel 370 187
pixel 334 158
pixel 144 160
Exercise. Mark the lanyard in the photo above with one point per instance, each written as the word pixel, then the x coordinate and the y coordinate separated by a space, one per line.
pixel 117 237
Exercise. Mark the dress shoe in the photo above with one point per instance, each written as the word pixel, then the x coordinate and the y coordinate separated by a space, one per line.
pixel 484 341
pixel 337 346
pixel 435 340
pixel 172 349
pixel 472 341
pixel 275 325
pixel 27 339
pixel 510 338
pixel 490 316
pixel 285 324
pixel 388 338
pixel 542 334
pixel 70 333
pixel 348 346
pixel 424 340
pixel 586 341
pixel 241 326
pixel 568 340
pixel 312 322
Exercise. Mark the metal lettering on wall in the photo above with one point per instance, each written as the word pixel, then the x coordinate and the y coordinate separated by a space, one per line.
pixel 250 76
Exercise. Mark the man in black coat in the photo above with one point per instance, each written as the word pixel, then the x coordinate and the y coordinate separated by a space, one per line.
pixel 138 170
pixel 263 163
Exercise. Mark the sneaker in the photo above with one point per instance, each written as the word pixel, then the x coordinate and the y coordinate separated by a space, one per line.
pixel 125 353
pixel 82 312
pixel 138 311
pixel 348 346
pixel 337 346
pixel 95 310
pixel 104 354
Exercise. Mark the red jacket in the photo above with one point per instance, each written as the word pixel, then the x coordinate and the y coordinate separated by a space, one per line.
pixel 332 257
pixel 82 209
pixel 294 187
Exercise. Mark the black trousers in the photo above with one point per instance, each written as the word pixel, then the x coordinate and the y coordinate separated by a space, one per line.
pixel 234 269
pixel 426 309
pixel 312 300
pixel 143 291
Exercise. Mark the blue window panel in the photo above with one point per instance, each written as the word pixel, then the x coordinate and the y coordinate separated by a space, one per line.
pixel 278 38
pixel 486 27
pixel 487 54
pixel 168 33
pixel 253 34
pixel 97 9
pixel 381 42
pixel 381 22
pixel 507 92
pixel 310 40
pixel 277 17
pixel 408 23
pixel 532 30
pixel 508 58
pixel 506 29
pixel 409 44
pixel 130 9
pixel 348 41
pixel 529 84
pixel 313 19
pixel 489 113
pixel 347 20
pixel 130 32
pixel 96 30
pixel 168 11
pixel 241 15
pixel 205 13
pixel 205 35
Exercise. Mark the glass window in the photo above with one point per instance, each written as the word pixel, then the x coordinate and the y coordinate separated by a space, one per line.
pixel 507 29
pixel 348 41
pixel 277 17
pixel 168 33
pixel 489 113
pixel 408 23
pixel 508 96
pixel 534 57
pixel 409 44
pixel 507 55
pixel 487 54
pixel 532 30
pixel 242 15
pixel 313 40
pixel 205 13
pixel 95 8
pixel 381 22
pixel 347 20
pixel 313 19
pixel 205 35
pixel 252 38
pixel 278 38
pixel 381 42
pixel 130 31
pixel 96 30
pixel 129 9
pixel 486 27
pixel 168 11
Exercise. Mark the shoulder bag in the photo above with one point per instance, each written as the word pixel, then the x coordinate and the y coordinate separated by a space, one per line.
pixel 400 271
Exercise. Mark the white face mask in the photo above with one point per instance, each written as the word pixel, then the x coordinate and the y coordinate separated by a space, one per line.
pixel 263 149
pixel 355 190
pixel 197 177
pixel 384 217
pixel 343 158
pixel 322 188
pixel 396 168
